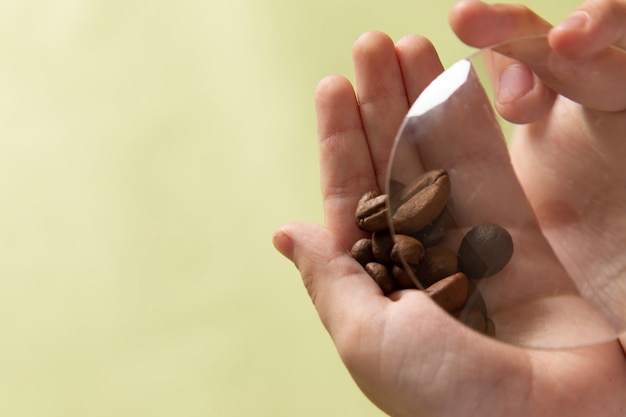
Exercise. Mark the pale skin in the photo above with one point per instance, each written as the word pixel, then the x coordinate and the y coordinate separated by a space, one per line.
pixel 438 367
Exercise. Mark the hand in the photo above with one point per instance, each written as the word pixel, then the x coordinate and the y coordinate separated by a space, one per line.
pixel 408 356
pixel 571 163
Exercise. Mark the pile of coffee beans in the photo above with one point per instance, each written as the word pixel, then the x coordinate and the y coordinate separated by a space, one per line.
pixel 420 220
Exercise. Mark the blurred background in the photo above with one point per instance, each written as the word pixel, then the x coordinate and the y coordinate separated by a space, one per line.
pixel 148 149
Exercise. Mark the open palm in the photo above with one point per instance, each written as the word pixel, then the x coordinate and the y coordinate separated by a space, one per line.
pixel 407 355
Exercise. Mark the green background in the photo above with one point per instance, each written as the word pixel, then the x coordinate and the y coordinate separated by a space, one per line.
pixel 148 149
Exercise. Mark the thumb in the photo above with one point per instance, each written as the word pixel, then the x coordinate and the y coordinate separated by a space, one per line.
pixel 338 286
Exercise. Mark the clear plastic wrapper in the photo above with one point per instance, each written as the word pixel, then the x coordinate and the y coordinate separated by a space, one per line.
pixel 523 286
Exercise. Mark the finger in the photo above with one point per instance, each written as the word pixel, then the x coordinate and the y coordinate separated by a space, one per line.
pixel 596 81
pixel 483 25
pixel 518 72
pixel 588 67
pixel 346 170
pixel 381 94
pixel 419 64
pixel 342 292
pixel 594 26
pixel 520 95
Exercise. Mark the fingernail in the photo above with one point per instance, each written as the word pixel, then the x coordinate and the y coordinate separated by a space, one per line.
pixel 283 243
pixel 576 21
pixel 516 81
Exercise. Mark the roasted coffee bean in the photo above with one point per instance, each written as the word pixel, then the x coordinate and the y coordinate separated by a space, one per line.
pixel 450 293
pixel 382 244
pixel 420 183
pixel 407 249
pixel 438 263
pixel 485 250
pixel 362 251
pixel 421 202
pixel 402 278
pixel 434 233
pixel 371 212
pixel 381 274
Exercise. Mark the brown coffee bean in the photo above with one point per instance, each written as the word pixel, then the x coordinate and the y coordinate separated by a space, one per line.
pixel 450 293
pixel 485 250
pixel 382 244
pixel 362 251
pixel 402 278
pixel 420 183
pixel 371 212
pixel 435 232
pixel 381 274
pixel 407 249
pixel 421 202
pixel 438 263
